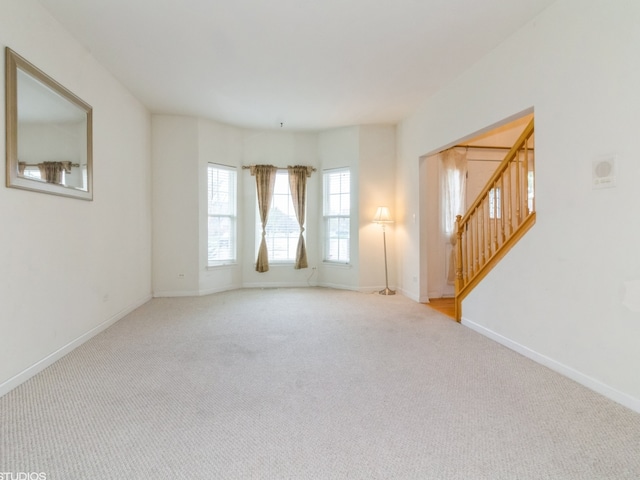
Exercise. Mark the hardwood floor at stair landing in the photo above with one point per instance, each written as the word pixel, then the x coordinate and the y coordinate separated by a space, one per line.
pixel 444 305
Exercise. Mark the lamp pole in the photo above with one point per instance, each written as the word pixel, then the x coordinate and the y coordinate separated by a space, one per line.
pixel 386 290
pixel 382 217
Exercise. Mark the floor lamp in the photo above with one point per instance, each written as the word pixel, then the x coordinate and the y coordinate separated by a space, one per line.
pixel 382 217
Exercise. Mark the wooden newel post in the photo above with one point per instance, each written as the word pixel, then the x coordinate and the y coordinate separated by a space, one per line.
pixel 458 264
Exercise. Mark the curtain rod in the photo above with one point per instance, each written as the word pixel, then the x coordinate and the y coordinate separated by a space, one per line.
pixel 77 165
pixel 485 147
pixel 247 167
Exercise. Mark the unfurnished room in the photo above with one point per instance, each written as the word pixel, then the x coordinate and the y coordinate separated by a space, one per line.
pixel 336 240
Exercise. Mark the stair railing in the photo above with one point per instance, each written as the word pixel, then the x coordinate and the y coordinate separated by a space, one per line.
pixel 499 217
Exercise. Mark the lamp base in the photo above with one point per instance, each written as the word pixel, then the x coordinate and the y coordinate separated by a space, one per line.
pixel 387 291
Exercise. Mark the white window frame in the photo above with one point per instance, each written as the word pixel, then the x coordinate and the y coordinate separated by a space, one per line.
pixel 32 171
pixel 283 241
pixel 228 216
pixel 337 210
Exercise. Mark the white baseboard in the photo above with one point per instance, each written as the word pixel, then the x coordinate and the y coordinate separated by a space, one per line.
pixel 211 291
pixel 411 295
pixel 276 285
pixel 176 293
pixel 584 380
pixel 194 293
pixel 37 367
pixel 338 286
pixel 367 289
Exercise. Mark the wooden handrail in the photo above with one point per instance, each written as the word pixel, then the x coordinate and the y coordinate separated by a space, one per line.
pixel 497 219
pixel 527 133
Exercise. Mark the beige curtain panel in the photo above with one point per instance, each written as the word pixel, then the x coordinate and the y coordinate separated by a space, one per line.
pixel 265 182
pixel 298 185
pixel 51 172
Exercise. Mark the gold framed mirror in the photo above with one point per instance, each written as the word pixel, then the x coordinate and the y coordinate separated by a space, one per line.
pixel 49 133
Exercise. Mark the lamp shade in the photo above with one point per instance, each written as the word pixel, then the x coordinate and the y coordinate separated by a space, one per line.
pixel 382 215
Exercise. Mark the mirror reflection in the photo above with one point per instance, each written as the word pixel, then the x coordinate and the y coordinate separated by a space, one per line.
pixel 48 133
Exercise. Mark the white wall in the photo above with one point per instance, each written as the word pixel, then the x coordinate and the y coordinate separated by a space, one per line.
pixel 558 295
pixel 340 148
pixel 273 147
pixel 182 147
pixel 376 181
pixel 434 265
pixel 220 144
pixel 370 153
pixel 71 267
pixel 175 175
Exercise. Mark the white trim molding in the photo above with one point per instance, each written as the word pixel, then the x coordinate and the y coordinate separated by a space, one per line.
pixel 584 380
pixel 37 367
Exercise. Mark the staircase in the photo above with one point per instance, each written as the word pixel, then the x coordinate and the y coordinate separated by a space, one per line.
pixel 503 212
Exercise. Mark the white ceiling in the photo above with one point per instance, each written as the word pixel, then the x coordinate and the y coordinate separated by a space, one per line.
pixel 311 65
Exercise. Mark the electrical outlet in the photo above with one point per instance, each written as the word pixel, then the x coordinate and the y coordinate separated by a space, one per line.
pixel 181 276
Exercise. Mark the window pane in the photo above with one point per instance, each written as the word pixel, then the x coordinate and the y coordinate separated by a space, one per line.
pixel 221 239
pixel 221 191
pixel 337 209
pixel 337 199
pixel 282 230
pixel 222 210
pixel 32 172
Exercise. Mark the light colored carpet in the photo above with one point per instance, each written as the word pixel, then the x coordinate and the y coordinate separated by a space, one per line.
pixel 307 384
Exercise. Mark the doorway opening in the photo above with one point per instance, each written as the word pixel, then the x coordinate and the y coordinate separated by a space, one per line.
pixel 483 153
